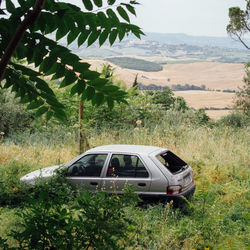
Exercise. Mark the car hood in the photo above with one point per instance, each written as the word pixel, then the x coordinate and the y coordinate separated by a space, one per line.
pixel 48 172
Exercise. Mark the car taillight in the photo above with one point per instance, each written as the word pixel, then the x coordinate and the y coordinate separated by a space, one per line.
pixel 174 189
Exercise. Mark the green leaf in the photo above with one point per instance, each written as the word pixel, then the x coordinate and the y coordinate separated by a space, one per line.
pixel 110 102
pixel 37 57
pixel 103 37
pixel 121 32
pixel 130 8
pixel 60 116
pixel 69 21
pixel 81 86
pixel 42 85
pixel 112 36
pixel 111 14
pixel 84 96
pixel 88 5
pixel 91 20
pixel 60 71
pixel 136 30
pixel 110 89
pixel 74 90
pixel 51 101
pixel 41 111
pixel 98 82
pixel 49 114
pixel 90 92
pixel 123 13
pixel 69 58
pixel 79 18
pixel 25 70
pixel 25 99
pixel 35 104
pixel 10 6
pixel 93 37
pixel 52 70
pixel 70 77
pixel 98 3
pixel 81 67
pixel 111 2
pixel 61 31
pixel 99 98
pixel 50 23
pixel 90 75
pixel 47 63
pixel 105 22
pixel 83 37
pixel 72 35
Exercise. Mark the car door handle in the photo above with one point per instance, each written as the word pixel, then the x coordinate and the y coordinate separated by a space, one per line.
pixel 142 184
pixel 94 183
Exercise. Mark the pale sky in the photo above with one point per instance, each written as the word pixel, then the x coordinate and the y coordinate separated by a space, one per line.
pixel 193 17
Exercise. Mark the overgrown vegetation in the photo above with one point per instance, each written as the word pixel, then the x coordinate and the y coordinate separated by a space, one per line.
pixel 54 215
pixel 215 218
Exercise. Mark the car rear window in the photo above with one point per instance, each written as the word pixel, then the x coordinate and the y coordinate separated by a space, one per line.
pixel 171 161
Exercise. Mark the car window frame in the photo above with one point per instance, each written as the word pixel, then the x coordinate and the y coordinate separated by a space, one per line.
pixel 131 154
pixel 85 155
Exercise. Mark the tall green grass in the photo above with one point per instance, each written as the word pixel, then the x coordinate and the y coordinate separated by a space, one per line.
pixel 216 218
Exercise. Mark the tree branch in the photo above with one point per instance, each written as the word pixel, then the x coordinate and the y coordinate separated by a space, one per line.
pixel 242 41
pixel 29 20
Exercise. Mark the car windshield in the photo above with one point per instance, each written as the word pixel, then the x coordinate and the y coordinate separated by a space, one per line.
pixel 171 161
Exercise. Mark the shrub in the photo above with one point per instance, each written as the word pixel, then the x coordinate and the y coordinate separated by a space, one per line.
pixel 235 120
pixel 13 116
pixel 91 221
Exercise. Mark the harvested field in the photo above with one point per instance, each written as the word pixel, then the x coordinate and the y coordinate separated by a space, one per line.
pixel 207 99
pixel 217 114
pixel 215 75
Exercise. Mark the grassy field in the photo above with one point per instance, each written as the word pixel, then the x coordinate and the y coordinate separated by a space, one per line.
pixel 216 218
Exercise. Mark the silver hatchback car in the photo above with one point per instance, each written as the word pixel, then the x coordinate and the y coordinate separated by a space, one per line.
pixel 153 171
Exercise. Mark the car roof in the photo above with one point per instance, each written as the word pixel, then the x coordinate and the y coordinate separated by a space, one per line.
pixel 125 148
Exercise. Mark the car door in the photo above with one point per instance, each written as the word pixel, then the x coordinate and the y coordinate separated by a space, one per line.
pixel 123 170
pixel 86 172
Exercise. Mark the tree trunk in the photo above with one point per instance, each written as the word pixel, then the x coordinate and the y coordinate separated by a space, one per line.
pixel 29 20
pixel 83 143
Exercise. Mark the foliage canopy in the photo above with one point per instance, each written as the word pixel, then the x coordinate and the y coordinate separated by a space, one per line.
pixel 97 21
pixel 239 22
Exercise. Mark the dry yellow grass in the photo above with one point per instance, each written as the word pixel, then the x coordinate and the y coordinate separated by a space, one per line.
pixel 202 99
pixel 217 114
pixel 208 99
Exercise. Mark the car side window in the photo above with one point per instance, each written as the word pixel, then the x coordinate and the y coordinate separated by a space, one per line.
pixel 88 165
pixel 126 166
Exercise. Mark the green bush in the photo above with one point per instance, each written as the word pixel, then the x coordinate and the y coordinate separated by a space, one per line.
pixel 90 221
pixel 236 120
pixel 13 116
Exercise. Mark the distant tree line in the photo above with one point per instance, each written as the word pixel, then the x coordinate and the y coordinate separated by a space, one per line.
pixel 136 64
pixel 178 87
pixel 152 87
pixel 175 87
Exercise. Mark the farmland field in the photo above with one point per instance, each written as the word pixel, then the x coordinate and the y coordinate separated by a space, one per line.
pixel 214 75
